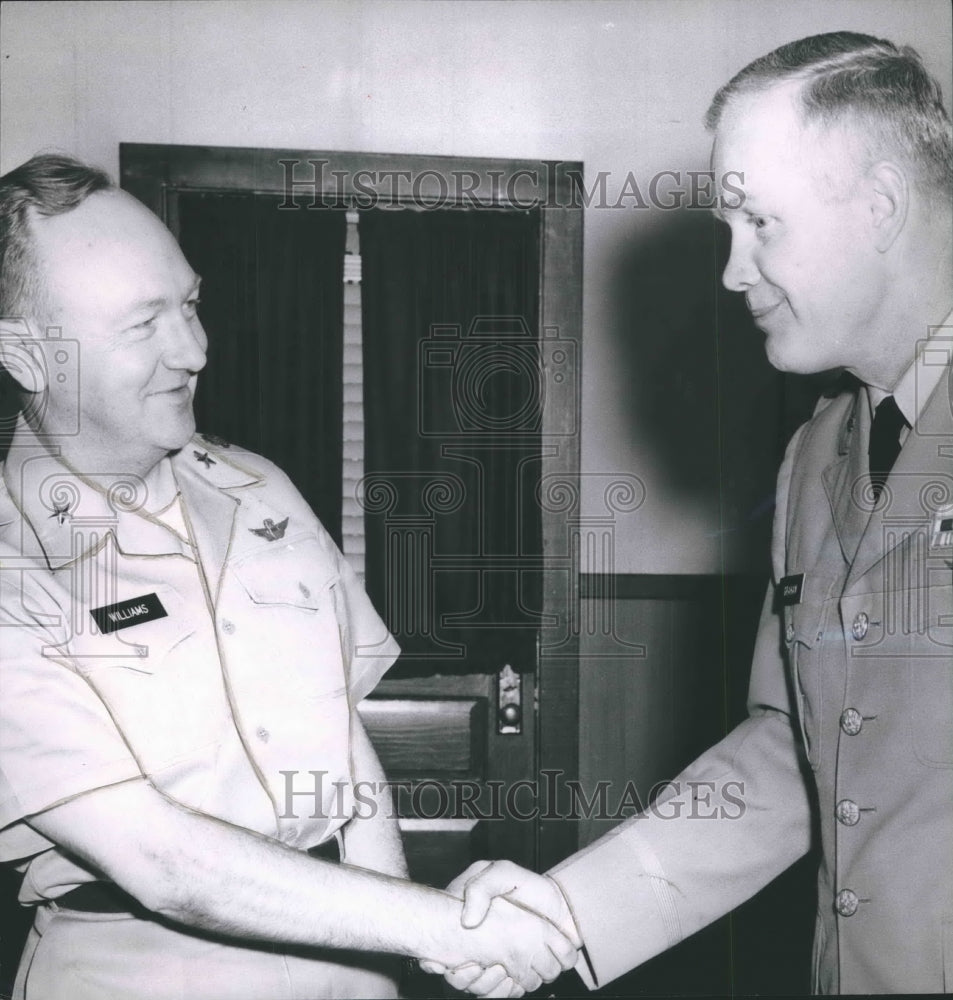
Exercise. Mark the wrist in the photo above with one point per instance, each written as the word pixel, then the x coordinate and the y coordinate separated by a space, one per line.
pixel 566 922
pixel 435 932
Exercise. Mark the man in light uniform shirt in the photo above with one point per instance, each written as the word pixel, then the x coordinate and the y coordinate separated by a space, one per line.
pixel 183 652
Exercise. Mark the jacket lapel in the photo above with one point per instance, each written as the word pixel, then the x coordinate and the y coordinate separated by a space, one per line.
pixel 844 476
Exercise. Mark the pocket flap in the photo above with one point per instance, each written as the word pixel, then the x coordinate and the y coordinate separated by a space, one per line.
pixel 298 572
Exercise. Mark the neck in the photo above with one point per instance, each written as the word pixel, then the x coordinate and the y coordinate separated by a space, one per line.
pixel 100 468
pixel 918 296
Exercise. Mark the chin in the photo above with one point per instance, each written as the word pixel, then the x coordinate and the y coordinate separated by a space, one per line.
pixel 176 439
pixel 791 357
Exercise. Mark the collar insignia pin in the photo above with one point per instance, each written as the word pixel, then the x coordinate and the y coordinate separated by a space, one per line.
pixel 270 530
pixel 205 458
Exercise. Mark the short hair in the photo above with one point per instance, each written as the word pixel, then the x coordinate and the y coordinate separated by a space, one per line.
pixel 48 184
pixel 850 78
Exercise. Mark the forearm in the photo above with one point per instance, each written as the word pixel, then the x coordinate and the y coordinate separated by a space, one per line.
pixel 235 883
pixel 372 837
pixel 206 873
pixel 741 817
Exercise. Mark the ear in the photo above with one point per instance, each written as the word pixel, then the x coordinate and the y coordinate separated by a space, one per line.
pixel 22 355
pixel 889 195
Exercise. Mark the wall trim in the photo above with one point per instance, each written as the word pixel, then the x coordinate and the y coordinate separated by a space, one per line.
pixel 657 586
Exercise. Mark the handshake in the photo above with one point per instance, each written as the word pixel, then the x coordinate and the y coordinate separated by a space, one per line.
pixel 518 931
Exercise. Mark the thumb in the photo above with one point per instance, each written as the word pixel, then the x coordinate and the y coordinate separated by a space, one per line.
pixel 476 904
pixel 434 968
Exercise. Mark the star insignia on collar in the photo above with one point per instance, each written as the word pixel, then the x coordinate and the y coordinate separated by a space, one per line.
pixel 270 530
pixel 214 439
pixel 61 513
pixel 205 458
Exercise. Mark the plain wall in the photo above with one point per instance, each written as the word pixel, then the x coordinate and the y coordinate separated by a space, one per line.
pixel 667 395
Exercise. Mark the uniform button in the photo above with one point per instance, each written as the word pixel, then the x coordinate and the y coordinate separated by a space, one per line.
pixel 851 721
pixel 847 812
pixel 305 592
pixel 227 626
pixel 789 633
pixel 262 734
pixel 846 902
pixel 858 628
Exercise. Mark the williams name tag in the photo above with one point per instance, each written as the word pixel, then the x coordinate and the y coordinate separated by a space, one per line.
pixel 125 614
pixel 789 589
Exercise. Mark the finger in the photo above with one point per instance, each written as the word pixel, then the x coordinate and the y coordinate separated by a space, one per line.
pixel 564 951
pixel 455 888
pixel 505 989
pixel 464 976
pixel 434 968
pixel 530 981
pixel 515 989
pixel 487 981
pixel 546 965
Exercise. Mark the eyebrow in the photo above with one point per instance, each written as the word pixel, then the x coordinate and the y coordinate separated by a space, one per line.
pixel 150 305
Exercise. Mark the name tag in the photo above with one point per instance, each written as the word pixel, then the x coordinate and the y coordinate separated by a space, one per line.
pixel 125 614
pixel 789 589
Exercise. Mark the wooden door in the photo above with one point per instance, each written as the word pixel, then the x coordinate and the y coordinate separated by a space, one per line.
pixel 480 745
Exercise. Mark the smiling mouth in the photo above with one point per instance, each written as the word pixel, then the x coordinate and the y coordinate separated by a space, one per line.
pixel 762 311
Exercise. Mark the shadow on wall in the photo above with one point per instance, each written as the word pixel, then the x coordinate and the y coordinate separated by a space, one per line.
pixel 710 416
pixel 704 404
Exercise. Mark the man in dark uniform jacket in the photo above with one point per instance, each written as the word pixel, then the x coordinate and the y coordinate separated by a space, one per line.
pixel 842 248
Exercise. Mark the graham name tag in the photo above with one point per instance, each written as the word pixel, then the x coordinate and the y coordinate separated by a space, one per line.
pixel 125 614
pixel 789 589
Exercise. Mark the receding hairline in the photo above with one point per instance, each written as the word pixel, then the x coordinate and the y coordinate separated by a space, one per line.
pixel 45 186
pixel 878 94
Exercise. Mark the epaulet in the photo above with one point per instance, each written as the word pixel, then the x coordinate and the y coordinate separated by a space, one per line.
pixel 236 455
pixel 835 385
pixel 214 440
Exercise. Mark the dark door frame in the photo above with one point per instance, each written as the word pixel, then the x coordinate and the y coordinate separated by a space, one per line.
pixel 152 171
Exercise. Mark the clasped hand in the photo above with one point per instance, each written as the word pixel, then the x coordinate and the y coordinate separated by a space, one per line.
pixel 538 937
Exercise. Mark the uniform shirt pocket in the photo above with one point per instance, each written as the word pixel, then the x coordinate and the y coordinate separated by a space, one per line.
pixel 298 573
pixel 141 647
pixel 165 698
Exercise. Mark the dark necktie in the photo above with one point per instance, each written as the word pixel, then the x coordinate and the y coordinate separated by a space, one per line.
pixel 884 442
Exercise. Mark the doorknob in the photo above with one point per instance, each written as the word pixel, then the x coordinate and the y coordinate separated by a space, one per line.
pixel 509 701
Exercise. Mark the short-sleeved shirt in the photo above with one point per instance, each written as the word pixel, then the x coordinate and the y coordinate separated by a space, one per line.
pixel 215 648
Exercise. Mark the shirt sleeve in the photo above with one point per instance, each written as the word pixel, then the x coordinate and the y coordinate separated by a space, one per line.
pixel 726 826
pixel 57 738
pixel 372 649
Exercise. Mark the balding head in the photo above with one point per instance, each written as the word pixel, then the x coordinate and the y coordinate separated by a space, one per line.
pixel 43 187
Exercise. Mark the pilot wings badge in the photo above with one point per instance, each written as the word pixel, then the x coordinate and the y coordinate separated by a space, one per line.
pixel 270 530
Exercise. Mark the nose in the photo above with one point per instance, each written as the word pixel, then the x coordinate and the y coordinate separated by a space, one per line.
pixel 185 345
pixel 741 272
